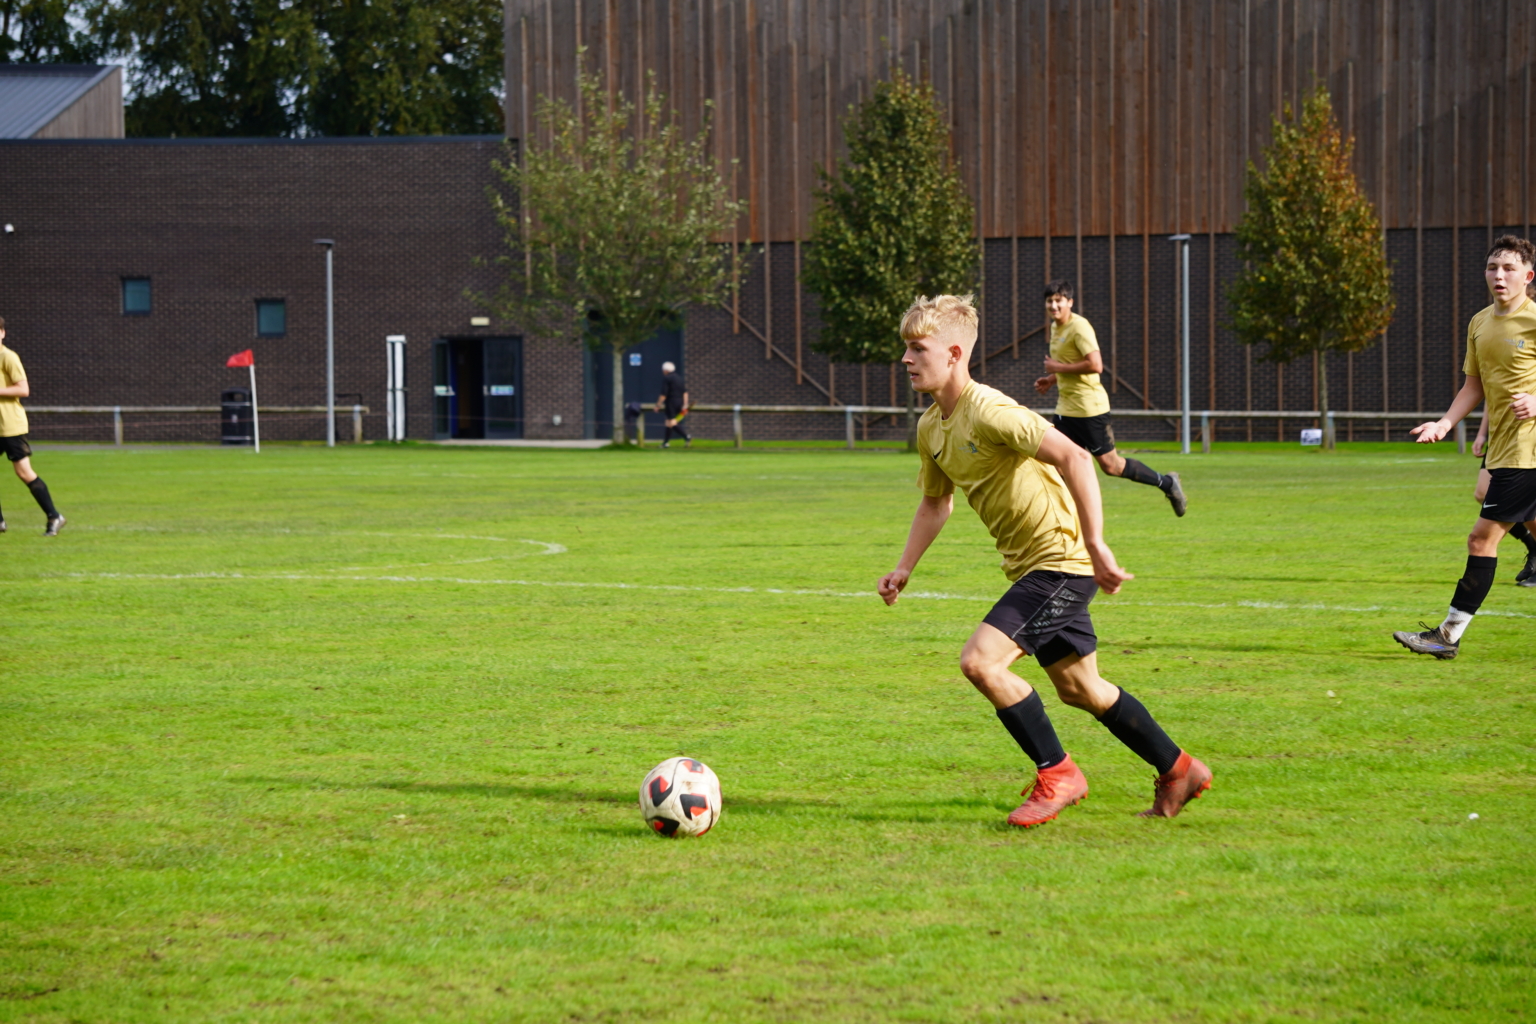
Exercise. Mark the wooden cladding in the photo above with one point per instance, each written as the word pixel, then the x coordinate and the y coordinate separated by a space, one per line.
pixel 1092 117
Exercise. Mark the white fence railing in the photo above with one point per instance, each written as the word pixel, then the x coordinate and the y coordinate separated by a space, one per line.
pixel 117 413
pixel 1207 417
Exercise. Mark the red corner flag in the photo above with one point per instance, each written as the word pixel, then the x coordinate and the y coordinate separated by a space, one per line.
pixel 246 358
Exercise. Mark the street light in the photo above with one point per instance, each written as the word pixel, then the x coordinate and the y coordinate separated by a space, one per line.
pixel 330 347
pixel 1183 241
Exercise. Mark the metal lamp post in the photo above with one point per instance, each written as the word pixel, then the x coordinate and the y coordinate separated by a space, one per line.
pixel 1183 241
pixel 330 346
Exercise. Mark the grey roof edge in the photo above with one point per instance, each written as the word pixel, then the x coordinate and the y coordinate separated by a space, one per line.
pixel 323 140
pixel 86 85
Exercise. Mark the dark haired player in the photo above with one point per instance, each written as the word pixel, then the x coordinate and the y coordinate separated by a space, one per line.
pixel 1038 495
pixel 13 435
pixel 1501 368
pixel 1082 405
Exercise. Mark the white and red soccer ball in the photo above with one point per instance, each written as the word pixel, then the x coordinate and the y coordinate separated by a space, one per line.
pixel 680 797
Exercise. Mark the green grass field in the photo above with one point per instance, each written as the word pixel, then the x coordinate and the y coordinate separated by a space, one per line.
pixel 355 735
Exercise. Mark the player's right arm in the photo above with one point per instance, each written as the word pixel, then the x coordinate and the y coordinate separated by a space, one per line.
pixel 1482 437
pixel 1468 398
pixel 932 513
pixel 1044 384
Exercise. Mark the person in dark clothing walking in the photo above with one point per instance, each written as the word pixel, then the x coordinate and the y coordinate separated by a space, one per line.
pixel 674 400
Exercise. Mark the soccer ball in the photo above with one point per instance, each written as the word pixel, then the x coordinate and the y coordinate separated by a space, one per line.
pixel 680 797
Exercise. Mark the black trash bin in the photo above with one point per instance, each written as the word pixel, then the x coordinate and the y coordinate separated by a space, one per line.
pixel 236 422
pixel 632 413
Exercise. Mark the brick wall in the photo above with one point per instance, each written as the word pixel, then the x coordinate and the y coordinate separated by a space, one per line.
pixel 217 224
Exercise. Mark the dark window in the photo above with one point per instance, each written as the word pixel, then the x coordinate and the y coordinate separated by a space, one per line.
pixel 271 318
pixel 135 296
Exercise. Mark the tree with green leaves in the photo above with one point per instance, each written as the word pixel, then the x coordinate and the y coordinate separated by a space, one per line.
pixel 39 32
pixel 1315 279
pixel 201 68
pixel 893 223
pixel 610 222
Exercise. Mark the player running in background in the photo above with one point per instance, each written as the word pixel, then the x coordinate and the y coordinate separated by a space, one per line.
pixel 1082 404
pixel 674 399
pixel 1038 495
pixel 1501 367
pixel 13 435
pixel 1526 577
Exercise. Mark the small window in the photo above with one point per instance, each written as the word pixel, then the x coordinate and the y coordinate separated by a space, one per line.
pixel 136 296
pixel 271 318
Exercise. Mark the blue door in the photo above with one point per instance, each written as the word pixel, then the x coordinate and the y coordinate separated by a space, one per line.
pixel 642 380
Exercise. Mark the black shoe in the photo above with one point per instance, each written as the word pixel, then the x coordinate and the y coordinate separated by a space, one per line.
pixel 55 524
pixel 1525 578
pixel 1431 641
pixel 1175 493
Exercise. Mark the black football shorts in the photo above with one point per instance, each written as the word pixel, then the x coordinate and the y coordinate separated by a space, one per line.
pixel 1511 496
pixel 1046 614
pixel 1091 433
pixel 16 447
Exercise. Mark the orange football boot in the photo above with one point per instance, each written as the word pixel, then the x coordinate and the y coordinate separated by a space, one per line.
pixel 1060 785
pixel 1185 781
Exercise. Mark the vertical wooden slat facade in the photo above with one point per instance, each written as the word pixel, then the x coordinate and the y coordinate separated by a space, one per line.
pixel 1209 103
pixel 1079 125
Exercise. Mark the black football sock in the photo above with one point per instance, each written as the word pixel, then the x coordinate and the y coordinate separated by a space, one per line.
pixel 1032 730
pixel 40 492
pixel 1132 724
pixel 1474 584
pixel 1141 473
pixel 1521 533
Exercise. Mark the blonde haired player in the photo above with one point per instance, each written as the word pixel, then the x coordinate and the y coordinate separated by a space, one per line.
pixel 1038 495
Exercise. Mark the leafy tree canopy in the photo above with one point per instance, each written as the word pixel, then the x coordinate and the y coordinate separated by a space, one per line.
pixel 893 223
pixel 39 32
pixel 610 222
pixel 1316 278
pixel 281 67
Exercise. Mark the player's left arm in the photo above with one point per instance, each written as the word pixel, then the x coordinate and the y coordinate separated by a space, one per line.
pixel 1076 467
pixel 18 390
pixel 1524 405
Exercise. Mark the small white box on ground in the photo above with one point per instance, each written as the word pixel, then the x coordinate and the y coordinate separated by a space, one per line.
pixel 1311 435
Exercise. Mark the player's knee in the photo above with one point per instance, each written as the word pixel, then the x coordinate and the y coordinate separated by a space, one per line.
pixel 1074 694
pixel 976 666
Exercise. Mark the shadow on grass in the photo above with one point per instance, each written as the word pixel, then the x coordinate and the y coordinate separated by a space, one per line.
pixel 550 793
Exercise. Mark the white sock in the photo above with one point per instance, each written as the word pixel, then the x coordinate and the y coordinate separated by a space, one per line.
pixel 1455 624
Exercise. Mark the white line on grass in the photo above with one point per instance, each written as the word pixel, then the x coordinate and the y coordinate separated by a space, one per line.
pixel 926 595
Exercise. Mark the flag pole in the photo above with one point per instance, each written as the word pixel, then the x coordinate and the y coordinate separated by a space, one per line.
pixel 255 417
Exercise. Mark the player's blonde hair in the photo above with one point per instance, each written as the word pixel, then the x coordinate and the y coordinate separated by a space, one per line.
pixel 927 317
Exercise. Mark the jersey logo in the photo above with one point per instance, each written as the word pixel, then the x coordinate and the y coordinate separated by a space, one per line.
pixel 937 454
pixel 970 446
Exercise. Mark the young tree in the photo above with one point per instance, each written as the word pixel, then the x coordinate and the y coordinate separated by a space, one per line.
pixel 1315 277
pixel 611 227
pixel 893 224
